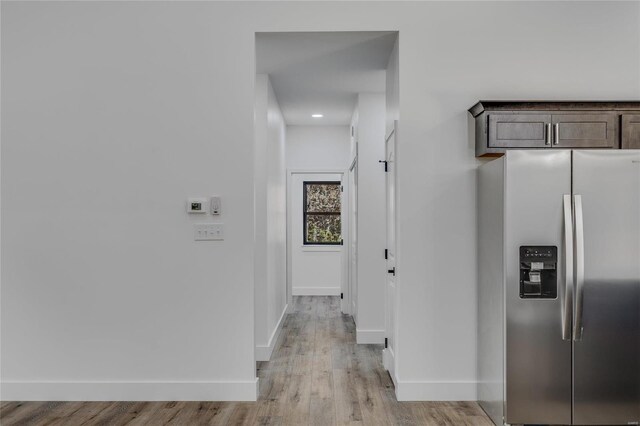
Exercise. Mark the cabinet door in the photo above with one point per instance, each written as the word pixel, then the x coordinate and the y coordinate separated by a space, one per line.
pixel 518 130
pixel 598 130
pixel 631 131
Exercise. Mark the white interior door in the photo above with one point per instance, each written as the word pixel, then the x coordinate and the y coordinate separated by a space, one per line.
pixel 353 238
pixel 391 288
pixel 314 269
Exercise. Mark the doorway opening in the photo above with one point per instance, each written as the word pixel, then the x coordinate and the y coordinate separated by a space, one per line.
pixel 325 106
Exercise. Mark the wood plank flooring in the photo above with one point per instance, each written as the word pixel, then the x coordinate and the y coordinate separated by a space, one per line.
pixel 317 375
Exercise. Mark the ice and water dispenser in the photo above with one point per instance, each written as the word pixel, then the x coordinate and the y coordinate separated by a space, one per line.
pixel 538 272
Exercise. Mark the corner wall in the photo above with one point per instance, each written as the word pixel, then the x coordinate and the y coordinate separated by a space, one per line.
pixel 270 219
pixel 369 128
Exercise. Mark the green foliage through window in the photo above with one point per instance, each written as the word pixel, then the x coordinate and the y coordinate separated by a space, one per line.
pixel 322 222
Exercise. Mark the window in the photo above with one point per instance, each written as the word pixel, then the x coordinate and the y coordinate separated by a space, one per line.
pixel 321 221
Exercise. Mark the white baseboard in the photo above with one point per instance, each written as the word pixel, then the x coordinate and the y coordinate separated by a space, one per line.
pixel 263 352
pixel 415 390
pixel 369 337
pixel 435 391
pixel 316 291
pixel 130 391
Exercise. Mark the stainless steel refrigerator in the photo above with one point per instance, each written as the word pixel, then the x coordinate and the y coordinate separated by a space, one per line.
pixel 559 287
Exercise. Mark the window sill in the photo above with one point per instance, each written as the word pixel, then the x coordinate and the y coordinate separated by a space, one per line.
pixel 321 247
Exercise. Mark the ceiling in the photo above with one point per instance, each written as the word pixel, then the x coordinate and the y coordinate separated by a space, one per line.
pixel 322 72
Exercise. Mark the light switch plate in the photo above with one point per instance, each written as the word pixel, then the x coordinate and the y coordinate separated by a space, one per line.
pixel 208 231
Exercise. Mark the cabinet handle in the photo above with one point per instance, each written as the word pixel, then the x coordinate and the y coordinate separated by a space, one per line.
pixel 556 133
pixel 547 134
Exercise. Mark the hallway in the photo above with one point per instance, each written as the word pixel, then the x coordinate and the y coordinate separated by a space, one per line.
pixel 317 375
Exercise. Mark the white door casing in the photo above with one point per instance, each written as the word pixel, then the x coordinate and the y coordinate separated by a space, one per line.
pixel 353 240
pixel 391 293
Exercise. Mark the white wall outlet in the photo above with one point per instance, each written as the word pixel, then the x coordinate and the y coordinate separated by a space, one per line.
pixel 208 231
pixel 196 205
pixel 216 205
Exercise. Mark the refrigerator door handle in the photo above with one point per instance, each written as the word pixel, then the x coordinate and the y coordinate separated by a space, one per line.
pixel 567 303
pixel 579 273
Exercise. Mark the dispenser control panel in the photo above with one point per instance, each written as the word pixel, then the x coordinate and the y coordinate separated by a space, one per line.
pixel 538 272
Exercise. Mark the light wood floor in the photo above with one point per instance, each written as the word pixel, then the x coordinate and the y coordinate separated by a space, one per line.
pixel 317 375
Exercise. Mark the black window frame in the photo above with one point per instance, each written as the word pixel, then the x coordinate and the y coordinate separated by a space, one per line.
pixel 305 213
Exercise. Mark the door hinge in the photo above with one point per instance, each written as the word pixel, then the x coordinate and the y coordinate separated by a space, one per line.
pixel 386 343
pixel 392 271
pixel 341 295
pixel 386 169
pixel 386 254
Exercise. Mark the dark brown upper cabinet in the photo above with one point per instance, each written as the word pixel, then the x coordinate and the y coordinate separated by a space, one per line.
pixel 585 130
pixel 519 130
pixel 503 125
pixel 630 131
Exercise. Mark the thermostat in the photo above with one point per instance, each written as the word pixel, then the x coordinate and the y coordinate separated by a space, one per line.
pixel 197 205
pixel 216 205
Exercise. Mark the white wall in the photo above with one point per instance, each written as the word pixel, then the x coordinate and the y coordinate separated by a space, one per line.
pixel 318 147
pixel 436 265
pixel 270 219
pixel 369 126
pixel 315 270
pixel 105 289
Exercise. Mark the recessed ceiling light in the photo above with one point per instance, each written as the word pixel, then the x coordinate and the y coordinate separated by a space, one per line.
pixel 317 115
